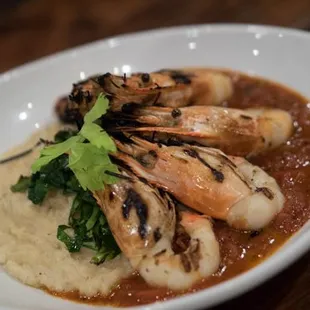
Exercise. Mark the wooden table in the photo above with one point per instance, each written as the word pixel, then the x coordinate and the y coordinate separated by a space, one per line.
pixel 31 29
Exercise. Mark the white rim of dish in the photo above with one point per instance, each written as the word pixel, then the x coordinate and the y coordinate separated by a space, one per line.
pixel 164 31
pixel 244 282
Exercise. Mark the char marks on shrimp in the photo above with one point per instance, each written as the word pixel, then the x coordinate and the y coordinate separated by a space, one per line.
pixel 134 200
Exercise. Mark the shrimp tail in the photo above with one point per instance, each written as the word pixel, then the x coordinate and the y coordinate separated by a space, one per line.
pixel 163 267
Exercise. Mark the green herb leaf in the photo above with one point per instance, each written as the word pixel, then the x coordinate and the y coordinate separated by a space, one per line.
pixel 88 197
pixel 40 162
pixel 89 164
pixel 72 185
pixel 21 185
pixel 77 164
pixel 98 137
pixel 93 219
pixel 38 189
pixel 90 245
pixel 101 256
pixel 88 161
pixel 74 243
pixel 81 211
pixel 53 151
pixel 100 108
pixel 86 213
pixel 104 254
pixel 55 175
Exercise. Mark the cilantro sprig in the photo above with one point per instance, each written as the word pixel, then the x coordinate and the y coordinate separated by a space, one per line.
pixel 88 151
pixel 73 165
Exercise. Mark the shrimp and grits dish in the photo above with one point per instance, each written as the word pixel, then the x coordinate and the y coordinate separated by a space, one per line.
pixel 155 185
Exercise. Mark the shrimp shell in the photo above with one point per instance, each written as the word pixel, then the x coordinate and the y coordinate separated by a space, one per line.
pixel 143 223
pixel 177 271
pixel 138 215
pixel 206 180
pixel 172 88
pixel 234 131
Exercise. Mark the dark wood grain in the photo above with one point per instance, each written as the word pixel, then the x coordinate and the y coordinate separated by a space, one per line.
pixel 35 28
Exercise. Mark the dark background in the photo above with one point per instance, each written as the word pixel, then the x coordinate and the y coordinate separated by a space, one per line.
pixel 30 29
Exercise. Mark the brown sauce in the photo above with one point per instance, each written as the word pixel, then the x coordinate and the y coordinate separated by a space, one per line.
pixel 240 251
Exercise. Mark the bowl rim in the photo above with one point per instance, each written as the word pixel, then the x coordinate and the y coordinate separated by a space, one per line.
pixel 244 282
pixel 161 32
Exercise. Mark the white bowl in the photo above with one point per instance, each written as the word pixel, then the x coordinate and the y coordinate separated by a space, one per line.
pixel 28 94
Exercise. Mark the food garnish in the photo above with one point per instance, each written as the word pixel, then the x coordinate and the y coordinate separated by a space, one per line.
pixel 76 163
pixel 88 151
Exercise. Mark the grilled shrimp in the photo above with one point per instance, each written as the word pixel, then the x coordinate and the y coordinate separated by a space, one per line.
pixel 83 97
pixel 143 223
pixel 205 179
pixel 234 131
pixel 138 215
pixel 205 86
pixel 266 201
pixel 163 267
pixel 167 88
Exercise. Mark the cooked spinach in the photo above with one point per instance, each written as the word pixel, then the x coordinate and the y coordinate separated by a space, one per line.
pixel 74 243
pixel 21 185
pixel 54 175
pixel 37 190
pixel 63 135
pixel 87 225
pixel 89 229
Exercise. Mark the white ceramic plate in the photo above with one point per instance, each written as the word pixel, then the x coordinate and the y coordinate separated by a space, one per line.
pixel 28 94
